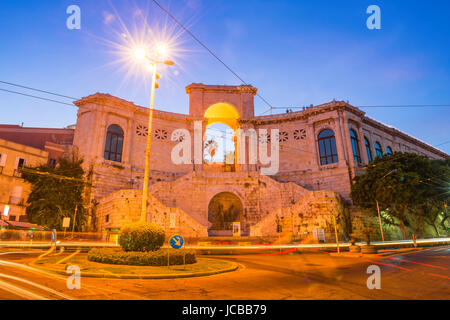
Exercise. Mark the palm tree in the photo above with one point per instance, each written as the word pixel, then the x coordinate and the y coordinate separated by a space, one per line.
pixel 211 147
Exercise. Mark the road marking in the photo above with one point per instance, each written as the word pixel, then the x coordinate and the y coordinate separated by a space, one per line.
pixel 37 286
pixel 20 291
pixel 69 257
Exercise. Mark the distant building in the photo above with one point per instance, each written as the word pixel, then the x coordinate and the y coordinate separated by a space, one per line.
pixel 20 147
pixel 13 189
pixel 321 149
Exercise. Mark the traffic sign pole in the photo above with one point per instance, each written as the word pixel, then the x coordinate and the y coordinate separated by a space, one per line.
pixel 176 242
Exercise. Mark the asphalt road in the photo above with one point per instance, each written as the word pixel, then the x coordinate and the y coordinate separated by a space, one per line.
pixel 315 275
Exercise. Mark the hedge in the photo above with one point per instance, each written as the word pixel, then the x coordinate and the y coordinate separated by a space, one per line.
pixel 141 236
pixel 150 258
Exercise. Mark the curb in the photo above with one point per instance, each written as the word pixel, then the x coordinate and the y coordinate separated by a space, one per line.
pixel 234 266
pixel 370 255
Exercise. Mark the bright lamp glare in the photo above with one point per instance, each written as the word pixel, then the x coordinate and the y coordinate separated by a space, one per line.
pixel 161 49
pixel 6 211
pixel 140 53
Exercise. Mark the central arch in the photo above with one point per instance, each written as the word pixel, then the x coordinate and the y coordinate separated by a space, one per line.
pixel 219 140
pixel 224 209
pixel 222 113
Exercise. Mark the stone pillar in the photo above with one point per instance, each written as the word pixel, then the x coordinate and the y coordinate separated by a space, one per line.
pixel 198 167
pixel 362 145
pixel 349 151
pixel 127 147
pixel 312 141
pixel 340 141
pixel 101 134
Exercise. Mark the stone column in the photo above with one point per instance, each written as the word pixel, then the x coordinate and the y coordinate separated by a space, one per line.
pixel 129 133
pixel 340 141
pixel 349 152
pixel 101 134
pixel 312 142
pixel 362 147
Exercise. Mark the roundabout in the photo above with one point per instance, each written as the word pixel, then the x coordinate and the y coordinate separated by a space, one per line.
pixel 203 267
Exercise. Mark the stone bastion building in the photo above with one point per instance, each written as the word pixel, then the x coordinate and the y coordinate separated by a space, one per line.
pixel 321 149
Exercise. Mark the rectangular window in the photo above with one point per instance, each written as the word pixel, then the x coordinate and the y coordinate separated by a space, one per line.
pixel 107 218
pixel 21 163
pixel 52 163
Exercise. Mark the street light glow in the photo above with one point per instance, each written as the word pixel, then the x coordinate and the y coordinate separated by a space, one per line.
pixel 162 50
pixel 140 53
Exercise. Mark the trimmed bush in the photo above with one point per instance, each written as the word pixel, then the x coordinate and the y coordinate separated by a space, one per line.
pixel 141 236
pixel 151 258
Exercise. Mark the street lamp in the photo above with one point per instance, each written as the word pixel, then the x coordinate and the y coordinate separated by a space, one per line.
pixel 141 54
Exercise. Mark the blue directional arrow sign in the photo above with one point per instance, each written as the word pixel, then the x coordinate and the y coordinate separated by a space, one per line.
pixel 176 242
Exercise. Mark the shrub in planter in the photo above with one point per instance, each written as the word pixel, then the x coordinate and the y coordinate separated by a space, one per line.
pixel 141 236
pixel 151 258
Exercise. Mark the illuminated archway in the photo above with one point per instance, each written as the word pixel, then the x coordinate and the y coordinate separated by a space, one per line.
pixel 222 113
pixel 219 139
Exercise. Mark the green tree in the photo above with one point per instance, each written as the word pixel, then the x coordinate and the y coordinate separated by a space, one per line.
pixel 408 187
pixel 55 193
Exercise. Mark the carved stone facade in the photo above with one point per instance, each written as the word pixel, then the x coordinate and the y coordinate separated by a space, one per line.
pixel 308 162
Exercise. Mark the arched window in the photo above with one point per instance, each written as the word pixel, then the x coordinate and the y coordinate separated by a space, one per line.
pixel 378 150
pixel 388 151
pixel 327 147
pixel 114 143
pixel 355 146
pixel 368 151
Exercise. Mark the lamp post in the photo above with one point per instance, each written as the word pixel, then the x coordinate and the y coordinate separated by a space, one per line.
pixel 141 54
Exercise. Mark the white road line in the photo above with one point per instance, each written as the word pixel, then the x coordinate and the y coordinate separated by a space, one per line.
pixel 37 286
pixel 20 291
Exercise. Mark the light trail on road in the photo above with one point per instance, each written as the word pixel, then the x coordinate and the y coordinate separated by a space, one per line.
pixel 20 291
pixel 44 288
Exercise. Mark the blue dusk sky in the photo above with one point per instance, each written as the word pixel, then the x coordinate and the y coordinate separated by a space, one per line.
pixel 295 52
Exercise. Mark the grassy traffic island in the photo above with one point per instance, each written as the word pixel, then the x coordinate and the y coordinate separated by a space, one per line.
pixel 203 267
pixel 140 256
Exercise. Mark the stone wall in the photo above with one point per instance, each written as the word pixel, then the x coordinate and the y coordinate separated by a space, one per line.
pixel 313 211
pixel 124 206
pixel 259 194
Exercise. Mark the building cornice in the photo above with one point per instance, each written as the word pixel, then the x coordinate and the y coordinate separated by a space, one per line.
pixel 396 132
pixel 221 88
pixel 107 100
